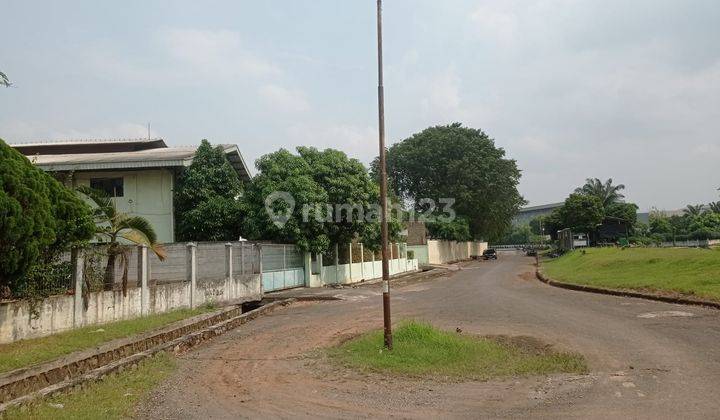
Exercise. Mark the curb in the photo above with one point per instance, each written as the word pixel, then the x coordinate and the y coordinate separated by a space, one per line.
pixel 176 345
pixel 622 293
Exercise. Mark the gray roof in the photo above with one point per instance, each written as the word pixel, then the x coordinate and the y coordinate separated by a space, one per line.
pixel 160 157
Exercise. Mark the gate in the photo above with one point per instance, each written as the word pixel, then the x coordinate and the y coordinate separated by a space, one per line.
pixel 282 267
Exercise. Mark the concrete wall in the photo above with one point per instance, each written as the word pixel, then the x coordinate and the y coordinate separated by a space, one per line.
pixel 147 193
pixel 355 272
pixel 441 252
pixel 56 313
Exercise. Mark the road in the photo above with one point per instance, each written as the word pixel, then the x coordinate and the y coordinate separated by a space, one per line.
pixel 647 359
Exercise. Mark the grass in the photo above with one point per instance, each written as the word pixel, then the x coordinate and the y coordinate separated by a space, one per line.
pixel 419 349
pixel 688 271
pixel 25 353
pixel 114 397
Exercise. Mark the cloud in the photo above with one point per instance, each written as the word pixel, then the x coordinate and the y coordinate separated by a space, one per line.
pixel 281 98
pixel 360 142
pixel 24 131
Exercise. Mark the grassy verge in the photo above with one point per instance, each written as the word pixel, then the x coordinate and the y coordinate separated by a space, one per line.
pixel 681 271
pixel 37 350
pixel 419 349
pixel 112 398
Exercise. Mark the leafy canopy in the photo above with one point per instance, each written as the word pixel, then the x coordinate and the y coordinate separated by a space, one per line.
pixel 207 198
pixel 458 162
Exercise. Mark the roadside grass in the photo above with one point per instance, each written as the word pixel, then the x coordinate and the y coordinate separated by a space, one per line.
pixel 687 271
pixel 114 397
pixel 29 352
pixel 419 349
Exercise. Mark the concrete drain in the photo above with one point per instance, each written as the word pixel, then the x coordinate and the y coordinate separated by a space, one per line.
pixel 666 314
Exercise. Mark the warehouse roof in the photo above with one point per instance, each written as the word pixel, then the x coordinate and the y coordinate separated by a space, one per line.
pixel 89 155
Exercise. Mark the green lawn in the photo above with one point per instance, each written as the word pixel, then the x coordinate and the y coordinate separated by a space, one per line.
pixel 423 350
pixel 37 350
pixel 114 397
pixel 679 270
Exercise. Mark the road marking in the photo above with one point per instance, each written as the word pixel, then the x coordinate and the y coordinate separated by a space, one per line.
pixel 666 314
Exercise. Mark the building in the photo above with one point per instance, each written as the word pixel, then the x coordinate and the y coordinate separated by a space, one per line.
pixel 139 173
pixel 526 214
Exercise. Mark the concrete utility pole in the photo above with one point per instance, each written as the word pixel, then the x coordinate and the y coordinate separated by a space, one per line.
pixel 383 187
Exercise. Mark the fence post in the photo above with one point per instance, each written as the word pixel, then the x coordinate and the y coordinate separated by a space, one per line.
pixel 362 262
pixel 78 266
pixel 320 267
pixel 143 278
pixel 242 258
pixel 307 262
pixel 373 263
pixel 405 254
pixel 228 261
pixel 192 270
pixel 284 265
pixel 350 262
pixel 337 263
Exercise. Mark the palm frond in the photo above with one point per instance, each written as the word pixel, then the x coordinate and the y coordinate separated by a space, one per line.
pixel 139 231
pixel 104 206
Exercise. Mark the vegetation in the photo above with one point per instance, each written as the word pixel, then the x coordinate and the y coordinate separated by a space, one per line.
pixel 30 352
pixel 39 219
pixel 420 349
pixel 115 397
pixel 113 225
pixel 675 270
pixel 207 198
pixel 461 163
pixel 326 196
pixel 4 81
pixel 454 230
pixel 606 192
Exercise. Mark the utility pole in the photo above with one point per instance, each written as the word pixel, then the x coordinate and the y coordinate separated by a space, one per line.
pixel 383 187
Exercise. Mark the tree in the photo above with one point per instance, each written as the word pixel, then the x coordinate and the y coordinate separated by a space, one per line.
pixel 27 226
pixel 460 163
pixel 111 226
pixel 39 219
pixel 319 198
pixel 4 81
pixel 693 210
pixel 455 230
pixel 207 198
pixel 581 213
pixel 714 207
pixel 539 225
pixel 624 211
pixel 607 193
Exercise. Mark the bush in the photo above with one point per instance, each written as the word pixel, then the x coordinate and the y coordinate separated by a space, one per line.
pixel 411 255
pixel 39 218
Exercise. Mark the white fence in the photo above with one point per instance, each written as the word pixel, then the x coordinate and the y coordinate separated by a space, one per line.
pixel 442 252
pixel 192 275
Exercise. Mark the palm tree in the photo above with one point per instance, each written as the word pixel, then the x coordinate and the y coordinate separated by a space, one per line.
pixel 691 210
pixel 715 207
pixel 606 192
pixel 112 226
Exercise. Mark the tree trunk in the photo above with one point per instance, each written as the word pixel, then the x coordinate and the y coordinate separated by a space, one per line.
pixel 110 270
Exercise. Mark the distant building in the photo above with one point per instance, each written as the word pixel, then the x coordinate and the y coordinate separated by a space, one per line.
pixel 139 173
pixel 526 214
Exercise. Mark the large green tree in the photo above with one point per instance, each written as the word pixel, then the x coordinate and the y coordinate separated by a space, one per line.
pixel 459 163
pixel 318 198
pixel 207 198
pixel 39 218
pixel 581 213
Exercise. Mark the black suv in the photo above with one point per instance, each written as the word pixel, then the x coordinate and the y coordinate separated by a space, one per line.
pixel 489 254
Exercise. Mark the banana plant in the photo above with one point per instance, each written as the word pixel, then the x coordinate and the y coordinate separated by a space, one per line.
pixel 112 226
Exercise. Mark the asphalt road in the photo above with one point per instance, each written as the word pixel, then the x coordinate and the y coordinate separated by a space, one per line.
pixel 647 359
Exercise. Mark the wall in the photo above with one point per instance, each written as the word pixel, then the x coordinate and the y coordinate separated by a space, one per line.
pixel 56 312
pixel 147 193
pixel 441 252
pixel 355 272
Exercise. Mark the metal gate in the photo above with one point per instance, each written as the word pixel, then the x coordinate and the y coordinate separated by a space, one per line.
pixel 282 267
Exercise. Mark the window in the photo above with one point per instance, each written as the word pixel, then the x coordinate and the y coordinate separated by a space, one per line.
pixel 111 186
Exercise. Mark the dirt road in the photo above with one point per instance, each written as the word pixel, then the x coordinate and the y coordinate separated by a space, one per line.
pixel 648 359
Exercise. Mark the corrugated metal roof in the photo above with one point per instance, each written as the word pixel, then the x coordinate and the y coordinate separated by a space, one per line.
pixel 152 158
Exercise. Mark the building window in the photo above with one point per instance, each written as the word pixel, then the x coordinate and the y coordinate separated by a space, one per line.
pixel 111 186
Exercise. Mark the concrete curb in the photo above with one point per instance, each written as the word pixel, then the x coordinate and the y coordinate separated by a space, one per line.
pixel 37 385
pixel 623 293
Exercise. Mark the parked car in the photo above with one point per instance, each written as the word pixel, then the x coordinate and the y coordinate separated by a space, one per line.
pixel 489 254
pixel 531 252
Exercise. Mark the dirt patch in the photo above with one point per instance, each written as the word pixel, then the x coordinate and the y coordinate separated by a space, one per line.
pixel 527 276
pixel 525 344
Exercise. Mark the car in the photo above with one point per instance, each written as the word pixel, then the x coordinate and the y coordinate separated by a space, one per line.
pixel 531 252
pixel 489 254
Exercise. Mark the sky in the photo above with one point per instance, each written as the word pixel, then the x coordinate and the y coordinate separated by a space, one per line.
pixel 571 89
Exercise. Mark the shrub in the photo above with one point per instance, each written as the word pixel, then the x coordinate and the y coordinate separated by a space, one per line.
pixel 411 255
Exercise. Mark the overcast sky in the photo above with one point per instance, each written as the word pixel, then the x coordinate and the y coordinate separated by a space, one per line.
pixel 628 89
